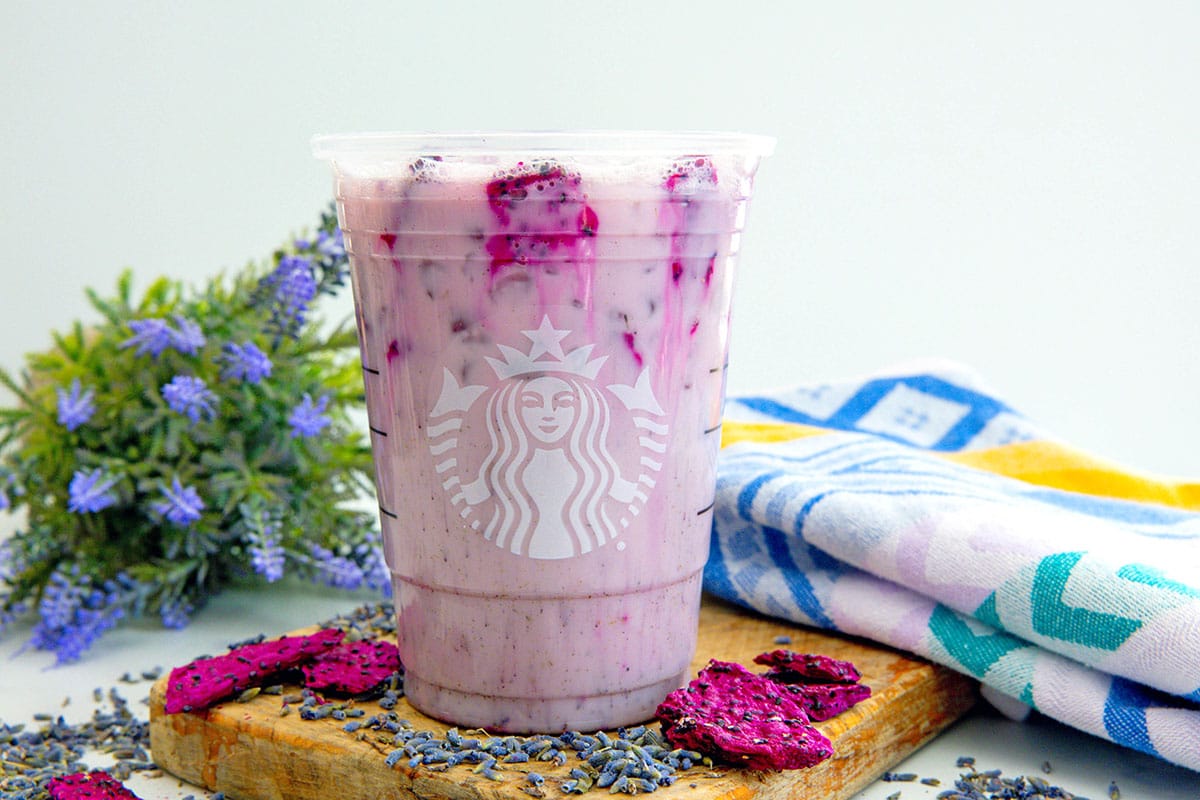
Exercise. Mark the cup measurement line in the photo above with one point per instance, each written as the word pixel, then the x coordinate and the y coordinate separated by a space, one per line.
pixel 371 370
pixel 721 368
pixel 707 508
pixel 713 429
pixel 373 429
pixel 387 513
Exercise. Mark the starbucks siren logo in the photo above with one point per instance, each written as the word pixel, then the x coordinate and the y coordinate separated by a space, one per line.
pixel 555 478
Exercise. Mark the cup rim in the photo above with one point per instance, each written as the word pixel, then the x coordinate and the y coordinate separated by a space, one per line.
pixel 508 142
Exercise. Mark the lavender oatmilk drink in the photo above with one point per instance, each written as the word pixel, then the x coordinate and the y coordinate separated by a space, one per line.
pixel 544 325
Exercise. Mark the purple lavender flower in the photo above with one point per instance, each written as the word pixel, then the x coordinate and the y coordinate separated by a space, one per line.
pixel 376 574
pixel 74 612
pixel 76 407
pixel 292 287
pixel 4 501
pixel 308 418
pixel 336 571
pixel 188 395
pixel 176 614
pixel 153 335
pixel 187 338
pixel 150 336
pixel 181 504
pixel 89 492
pixel 245 362
pixel 331 246
pixel 266 553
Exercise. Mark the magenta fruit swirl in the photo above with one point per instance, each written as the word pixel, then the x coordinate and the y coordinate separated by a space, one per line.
pixel 544 337
pixel 200 683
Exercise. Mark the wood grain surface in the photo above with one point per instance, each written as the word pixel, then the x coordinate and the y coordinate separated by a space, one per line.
pixel 250 752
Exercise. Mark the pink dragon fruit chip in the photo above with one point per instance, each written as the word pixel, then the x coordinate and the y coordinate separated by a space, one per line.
pixel 205 681
pixel 822 701
pixel 353 667
pixel 788 666
pixel 730 713
pixel 95 785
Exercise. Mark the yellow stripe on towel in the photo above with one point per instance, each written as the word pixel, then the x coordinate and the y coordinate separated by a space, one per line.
pixel 1046 463
pixel 1040 463
pixel 733 432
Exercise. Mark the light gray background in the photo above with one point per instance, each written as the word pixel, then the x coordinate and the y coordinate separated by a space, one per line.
pixel 1012 185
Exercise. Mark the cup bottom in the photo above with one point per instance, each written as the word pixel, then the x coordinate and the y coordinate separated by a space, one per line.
pixel 538 714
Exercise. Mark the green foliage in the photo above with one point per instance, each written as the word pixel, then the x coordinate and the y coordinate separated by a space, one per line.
pixel 146 497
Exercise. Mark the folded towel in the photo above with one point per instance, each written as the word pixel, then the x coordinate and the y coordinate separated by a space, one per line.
pixel 920 511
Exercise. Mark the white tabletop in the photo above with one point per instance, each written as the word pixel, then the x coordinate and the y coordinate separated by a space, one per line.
pixel 29 684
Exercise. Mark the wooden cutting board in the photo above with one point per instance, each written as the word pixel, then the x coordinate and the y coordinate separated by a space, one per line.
pixel 250 752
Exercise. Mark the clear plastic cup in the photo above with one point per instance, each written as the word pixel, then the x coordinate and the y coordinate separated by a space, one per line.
pixel 544 325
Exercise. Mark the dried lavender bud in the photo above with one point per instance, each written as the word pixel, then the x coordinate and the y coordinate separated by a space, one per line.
pixel 898 776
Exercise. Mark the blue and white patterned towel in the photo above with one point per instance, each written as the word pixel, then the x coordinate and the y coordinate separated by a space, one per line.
pixel 919 511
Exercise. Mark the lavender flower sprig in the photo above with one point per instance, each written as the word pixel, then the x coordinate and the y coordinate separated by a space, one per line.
pixel 181 504
pixel 245 362
pixel 190 396
pixel 309 418
pixel 74 611
pixel 75 407
pixel 183 440
pixel 88 492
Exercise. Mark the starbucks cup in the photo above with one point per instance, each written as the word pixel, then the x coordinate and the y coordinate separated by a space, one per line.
pixel 544 326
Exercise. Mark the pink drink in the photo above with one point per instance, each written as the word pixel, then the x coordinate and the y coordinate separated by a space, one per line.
pixel 544 322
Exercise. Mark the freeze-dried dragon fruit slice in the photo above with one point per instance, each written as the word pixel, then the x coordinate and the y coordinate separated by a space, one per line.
pixel 732 714
pixel 205 681
pixel 822 701
pixel 94 785
pixel 788 666
pixel 353 667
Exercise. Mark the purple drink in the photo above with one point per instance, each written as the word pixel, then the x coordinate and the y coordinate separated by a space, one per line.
pixel 544 328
